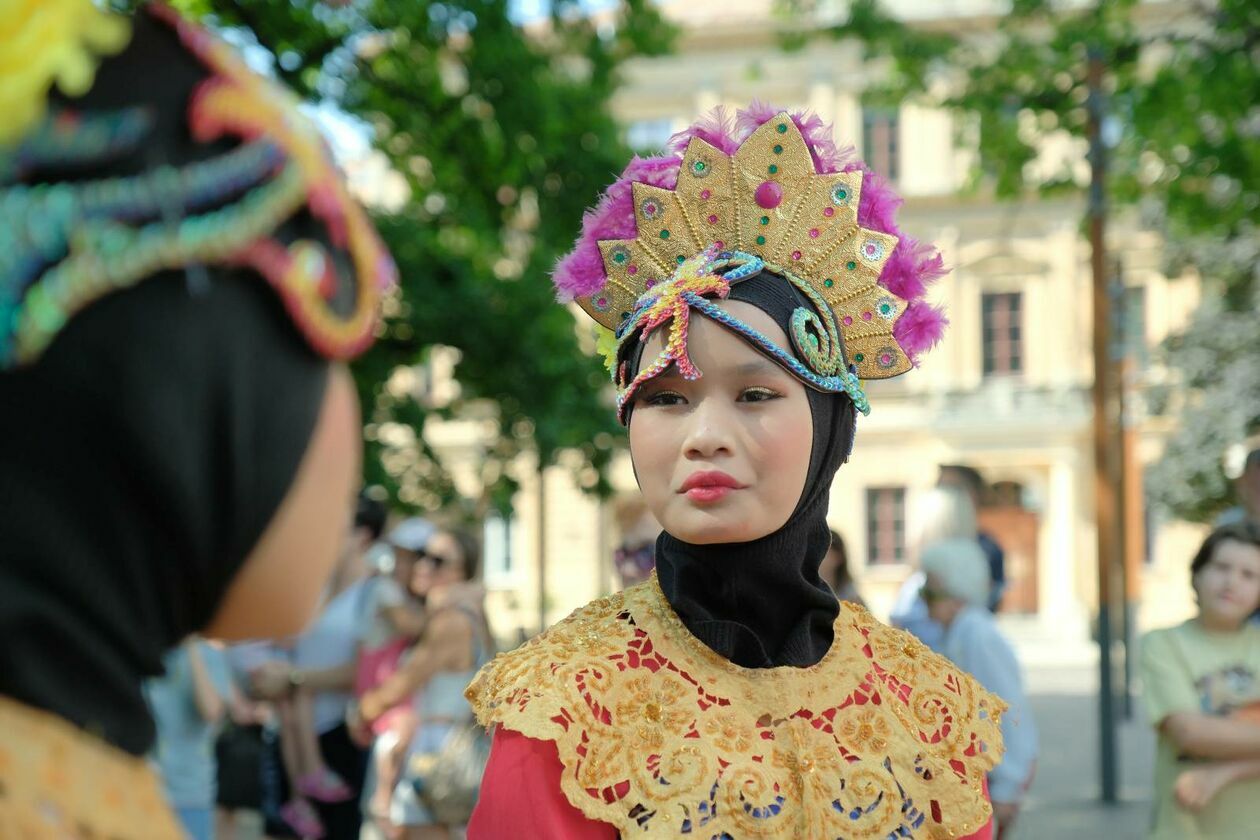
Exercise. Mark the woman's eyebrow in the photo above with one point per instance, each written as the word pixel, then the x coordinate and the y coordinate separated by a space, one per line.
pixel 759 366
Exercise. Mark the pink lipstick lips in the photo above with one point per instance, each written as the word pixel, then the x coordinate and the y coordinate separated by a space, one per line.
pixel 709 486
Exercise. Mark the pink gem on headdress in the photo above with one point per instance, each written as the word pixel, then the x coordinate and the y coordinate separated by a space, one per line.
pixel 907 269
pixel 769 195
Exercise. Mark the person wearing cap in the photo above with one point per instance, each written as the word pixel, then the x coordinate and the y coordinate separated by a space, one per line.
pixel 393 617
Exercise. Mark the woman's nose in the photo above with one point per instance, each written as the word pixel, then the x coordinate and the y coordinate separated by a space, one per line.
pixel 710 432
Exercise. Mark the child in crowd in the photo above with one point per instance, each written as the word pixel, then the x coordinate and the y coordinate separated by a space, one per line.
pixel 391 621
pixel 1201 681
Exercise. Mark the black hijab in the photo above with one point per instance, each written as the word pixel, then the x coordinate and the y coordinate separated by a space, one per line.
pixel 146 451
pixel 762 603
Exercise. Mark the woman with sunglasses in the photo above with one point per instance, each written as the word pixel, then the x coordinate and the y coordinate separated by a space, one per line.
pixel 454 644
pixel 745 282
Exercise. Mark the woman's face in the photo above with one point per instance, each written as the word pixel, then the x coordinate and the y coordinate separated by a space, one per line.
pixel 441 564
pixel 1228 585
pixel 723 458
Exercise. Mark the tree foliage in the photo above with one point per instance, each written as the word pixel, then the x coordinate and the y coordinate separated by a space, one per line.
pixel 503 135
pixel 1181 87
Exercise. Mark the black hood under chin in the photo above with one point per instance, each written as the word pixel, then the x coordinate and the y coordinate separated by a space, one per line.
pixel 762 604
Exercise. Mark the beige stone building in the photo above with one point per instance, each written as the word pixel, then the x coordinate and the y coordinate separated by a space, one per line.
pixel 1007 391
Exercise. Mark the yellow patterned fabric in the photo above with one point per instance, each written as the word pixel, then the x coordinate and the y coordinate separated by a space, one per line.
pixel 46 42
pixel 57 781
pixel 661 737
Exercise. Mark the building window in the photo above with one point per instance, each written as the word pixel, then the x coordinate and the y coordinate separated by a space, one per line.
pixel 649 135
pixel 879 141
pixel 498 563
pixel 885 525
pixel 1002 318
pixel 1133 311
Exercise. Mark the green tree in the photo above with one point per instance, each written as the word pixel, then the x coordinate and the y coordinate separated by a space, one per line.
pixel 1181 82
pixel 504 136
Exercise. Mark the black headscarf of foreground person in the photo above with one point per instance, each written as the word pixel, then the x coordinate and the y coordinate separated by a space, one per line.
pixel 181 273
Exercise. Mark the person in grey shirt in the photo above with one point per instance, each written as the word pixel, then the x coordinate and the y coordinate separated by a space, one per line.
pixel 956 591
pixel 188 704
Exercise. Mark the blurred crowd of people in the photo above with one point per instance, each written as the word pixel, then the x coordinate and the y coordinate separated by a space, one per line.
pixel 320 735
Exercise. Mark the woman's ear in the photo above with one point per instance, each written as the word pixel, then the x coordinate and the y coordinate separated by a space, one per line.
pixel 278 588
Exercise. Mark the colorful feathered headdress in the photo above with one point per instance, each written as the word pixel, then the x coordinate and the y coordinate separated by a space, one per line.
pixel 773 187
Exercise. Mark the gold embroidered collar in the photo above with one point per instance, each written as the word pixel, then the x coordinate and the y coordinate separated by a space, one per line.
pixel 59 781
pixel 661 737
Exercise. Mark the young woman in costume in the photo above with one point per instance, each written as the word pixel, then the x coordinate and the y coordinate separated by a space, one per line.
pixel 752 276
pixel 182 273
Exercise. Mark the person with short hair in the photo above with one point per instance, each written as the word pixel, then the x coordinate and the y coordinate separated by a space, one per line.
pixel 1201 686
pixel 956 592
pixel 1247 490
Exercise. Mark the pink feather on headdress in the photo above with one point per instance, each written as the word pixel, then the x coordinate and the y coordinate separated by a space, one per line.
pixel 911 268
pixel 717 129
pixel 920 327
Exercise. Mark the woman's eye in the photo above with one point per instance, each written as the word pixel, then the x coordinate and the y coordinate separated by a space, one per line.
pixel 663 398
pixel 758 395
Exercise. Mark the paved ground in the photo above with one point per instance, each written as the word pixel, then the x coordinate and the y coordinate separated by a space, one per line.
pixel 1064 799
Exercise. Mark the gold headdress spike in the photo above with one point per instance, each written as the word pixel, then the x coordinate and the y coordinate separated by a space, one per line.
pixel 766 199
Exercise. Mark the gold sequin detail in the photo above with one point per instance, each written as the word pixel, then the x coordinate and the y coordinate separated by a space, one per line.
pixel 811 230
pixel 57 781
pixel 661 737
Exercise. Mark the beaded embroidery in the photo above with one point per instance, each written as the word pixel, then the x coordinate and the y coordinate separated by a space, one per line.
pixel 813 331
pixel 63 246
pixel 661 737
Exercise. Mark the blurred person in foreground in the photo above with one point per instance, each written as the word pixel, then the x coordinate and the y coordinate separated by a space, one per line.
pixel 942 513
pixel 1201 684
pixel 834 569
pixel 732 694
pixel 182 273
pixel 956 592
pixel 455 643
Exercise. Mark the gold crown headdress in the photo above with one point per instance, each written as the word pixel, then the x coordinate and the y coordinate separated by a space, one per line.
pixel 779 194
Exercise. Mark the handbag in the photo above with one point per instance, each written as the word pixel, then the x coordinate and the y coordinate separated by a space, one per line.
pixel 449 780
